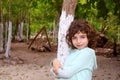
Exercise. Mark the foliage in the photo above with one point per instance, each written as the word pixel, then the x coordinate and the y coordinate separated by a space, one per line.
pixel 112 27
pixel 46 13
pixel 101 14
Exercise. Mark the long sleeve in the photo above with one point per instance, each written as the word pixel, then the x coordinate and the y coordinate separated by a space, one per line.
pixel 81 62
pixel 77 62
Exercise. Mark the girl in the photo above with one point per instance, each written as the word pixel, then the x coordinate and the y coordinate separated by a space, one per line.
pixel 81 61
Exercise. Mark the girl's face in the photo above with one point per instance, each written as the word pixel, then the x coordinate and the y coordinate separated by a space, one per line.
pixel 80 40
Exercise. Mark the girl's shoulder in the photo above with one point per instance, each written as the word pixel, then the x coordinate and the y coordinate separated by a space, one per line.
pixel 84 51
pixel 87 49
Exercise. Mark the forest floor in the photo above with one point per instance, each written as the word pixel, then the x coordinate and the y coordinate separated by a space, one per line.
pixel 36 65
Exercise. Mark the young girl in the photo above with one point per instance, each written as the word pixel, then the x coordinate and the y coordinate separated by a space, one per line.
pixel 81 61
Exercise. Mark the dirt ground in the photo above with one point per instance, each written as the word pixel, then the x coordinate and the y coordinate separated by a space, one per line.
pixel 35 65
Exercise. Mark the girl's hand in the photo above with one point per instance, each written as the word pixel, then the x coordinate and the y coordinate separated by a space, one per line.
pixel 56 66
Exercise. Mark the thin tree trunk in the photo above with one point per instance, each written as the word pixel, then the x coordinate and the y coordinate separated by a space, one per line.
pixel 1 27
pixel 27 32
pixel 67 16
pixel 6 35
pixel 1 37
pixel 7 53
pixel 54 31
pixel 27 26
pixel 118 34
pixel 20 31
pixel 115 47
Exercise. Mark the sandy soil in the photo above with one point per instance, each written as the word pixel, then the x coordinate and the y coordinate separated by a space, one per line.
pixel 35 65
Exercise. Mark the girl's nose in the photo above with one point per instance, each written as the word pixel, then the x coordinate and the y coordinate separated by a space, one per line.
pixel 78 40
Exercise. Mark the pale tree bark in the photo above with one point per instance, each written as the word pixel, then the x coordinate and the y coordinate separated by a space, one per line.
pixel 20 31
pixel 6 34
pixel 7 53
pixel 67 16
pixel 1 27
pixel 20 26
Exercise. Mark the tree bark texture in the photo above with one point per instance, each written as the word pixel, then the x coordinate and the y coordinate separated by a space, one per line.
pixel 1 27
pixel 7 53
pixel 67 16
pixel 20 31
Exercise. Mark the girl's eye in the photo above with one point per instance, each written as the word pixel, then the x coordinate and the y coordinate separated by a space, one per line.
pixel 74 37
pixel 82 36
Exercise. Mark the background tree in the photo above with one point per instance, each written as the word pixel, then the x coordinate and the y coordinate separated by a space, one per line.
pixel 9 26
pixel 35 14
pixel 1 27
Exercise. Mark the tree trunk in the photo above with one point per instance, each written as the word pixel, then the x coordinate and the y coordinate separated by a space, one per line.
pixel 67 16
pixel 27 32
pixel 1 27
pixel 7 53
pixel 118 34
pixel 20 31
pixel 115 48
pixel 28 27
pixel 6 35
pixel 1 37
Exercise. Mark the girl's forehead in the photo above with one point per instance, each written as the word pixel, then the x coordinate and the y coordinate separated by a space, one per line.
pixel 81 32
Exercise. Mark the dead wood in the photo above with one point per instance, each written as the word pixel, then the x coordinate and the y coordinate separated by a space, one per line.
pixel 44 44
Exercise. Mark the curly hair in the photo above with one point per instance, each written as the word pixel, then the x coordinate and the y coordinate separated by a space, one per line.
pixel 76 26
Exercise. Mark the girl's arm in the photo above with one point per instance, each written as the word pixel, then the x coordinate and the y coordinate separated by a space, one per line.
pixel 81 62
pixel 56 66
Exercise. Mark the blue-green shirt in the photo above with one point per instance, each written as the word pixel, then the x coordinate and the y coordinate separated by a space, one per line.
pixel 79 65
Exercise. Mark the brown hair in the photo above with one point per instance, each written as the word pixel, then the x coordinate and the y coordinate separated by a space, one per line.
pixel 76 26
